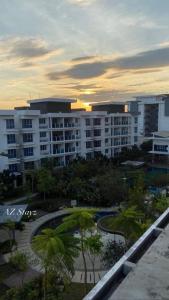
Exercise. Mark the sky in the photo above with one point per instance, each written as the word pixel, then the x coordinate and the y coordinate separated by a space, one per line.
pixel 91 50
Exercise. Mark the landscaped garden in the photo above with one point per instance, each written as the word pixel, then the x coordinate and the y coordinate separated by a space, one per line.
pixel 95 184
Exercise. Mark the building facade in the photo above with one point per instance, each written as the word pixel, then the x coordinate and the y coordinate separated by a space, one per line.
pixel 30 135
pixel 151 113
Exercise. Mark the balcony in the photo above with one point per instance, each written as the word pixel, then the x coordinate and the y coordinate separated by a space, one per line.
pixel 56 125
pixel 72 149
pixel 69 125
pixel 58 151
pixel 69 137
pixel 42 126
pixel 44 152
pixel 58 138
pixel 43 140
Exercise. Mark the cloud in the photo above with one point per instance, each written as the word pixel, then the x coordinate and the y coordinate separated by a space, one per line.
pixel 148 59
pixel 105 95
pixel 81 71
pixel 147 71
pixel 83 58
pixel 82 2
pixel 26 51
pixel 152 59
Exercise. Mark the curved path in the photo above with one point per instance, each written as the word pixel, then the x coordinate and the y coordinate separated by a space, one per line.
pixel 24 245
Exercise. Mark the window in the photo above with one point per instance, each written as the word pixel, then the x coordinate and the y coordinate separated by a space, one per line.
pixel 43 147
pixel 106 151
pixel 135 129
pixel 88 145
pixel 42 121
pixel 97 122
pixel 28 151
pixel 88 123
pixel 11 139
pixel 97 144
pixel 12 153
pixel 161 148
pixel 116 131
pixel 29 165
pixel 106 130
pixel 43 134
pixel 27 123
pixel 106 141
pixel 117 121
pixel 135 139
pixel 97 132
pixel 88 133
pixel 13 168
pixel 27 137
pixel 10 124
pixel 135 120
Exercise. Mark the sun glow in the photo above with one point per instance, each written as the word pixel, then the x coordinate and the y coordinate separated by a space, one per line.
pixel 88 92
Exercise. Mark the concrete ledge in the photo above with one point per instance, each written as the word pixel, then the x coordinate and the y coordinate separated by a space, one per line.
pixel 110 279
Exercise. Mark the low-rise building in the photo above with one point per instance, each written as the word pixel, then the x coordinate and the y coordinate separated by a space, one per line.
pixel 48 128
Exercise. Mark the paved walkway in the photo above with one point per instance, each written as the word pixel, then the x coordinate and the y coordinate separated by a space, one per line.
pixel 24 245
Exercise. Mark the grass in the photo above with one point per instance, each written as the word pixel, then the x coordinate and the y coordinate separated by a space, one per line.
pixel 75 291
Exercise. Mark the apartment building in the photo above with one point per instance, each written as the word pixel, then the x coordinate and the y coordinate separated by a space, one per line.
pixel 49 128
pixel 149 113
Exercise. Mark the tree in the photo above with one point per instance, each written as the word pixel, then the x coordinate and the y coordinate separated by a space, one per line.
pixel 57 251
pixel 112 188
pixel 129 222
pixel 20 261
pixel 46 182
pixel 93 246
pixel 137 192
pixel 32 174
pixel 10 227
pixel 113 252
pixel 160 204
pixel 83 220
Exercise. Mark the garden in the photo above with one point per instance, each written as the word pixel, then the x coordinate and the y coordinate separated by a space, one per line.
pixel 95 184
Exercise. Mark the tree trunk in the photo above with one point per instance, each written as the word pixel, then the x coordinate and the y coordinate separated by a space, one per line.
pixel 45 285
pixel 84 262
pixel 94 278
pixel 32 179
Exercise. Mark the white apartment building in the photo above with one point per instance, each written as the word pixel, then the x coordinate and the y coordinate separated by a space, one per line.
pixel 49 128
pixel 147 111
pixel 152 113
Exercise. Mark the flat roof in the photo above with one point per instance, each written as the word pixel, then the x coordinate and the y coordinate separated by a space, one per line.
pixel 55 100
pixel 108 103
pixel 163 134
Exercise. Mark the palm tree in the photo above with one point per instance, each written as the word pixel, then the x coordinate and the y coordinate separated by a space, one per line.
pixel 57 251
pixel 83 220
pixel 129 222
pixel 93 246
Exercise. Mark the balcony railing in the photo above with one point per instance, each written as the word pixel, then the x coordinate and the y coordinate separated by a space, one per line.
pixel 69 137
pixel 58 151
pixel 58 138
pixel 55 125
pixel 70 150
